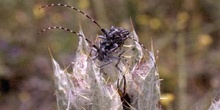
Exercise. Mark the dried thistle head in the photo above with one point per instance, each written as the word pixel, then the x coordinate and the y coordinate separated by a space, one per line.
pixel 88 87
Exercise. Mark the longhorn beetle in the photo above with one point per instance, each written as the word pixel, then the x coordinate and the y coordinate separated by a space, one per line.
pixel 111 40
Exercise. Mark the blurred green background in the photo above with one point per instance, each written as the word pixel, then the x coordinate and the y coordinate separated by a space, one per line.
pixel 185 35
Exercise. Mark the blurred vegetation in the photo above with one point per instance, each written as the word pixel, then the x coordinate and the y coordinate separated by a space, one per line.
pixel 185 34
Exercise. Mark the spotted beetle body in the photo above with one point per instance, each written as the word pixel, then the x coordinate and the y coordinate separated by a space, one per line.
pixel 111 40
